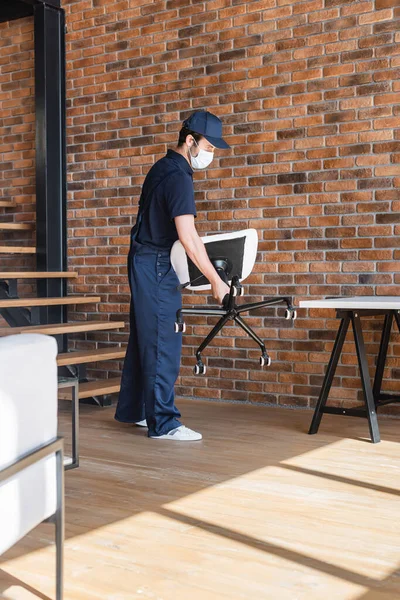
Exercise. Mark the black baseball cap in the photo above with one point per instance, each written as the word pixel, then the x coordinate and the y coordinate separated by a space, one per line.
pixel 207 125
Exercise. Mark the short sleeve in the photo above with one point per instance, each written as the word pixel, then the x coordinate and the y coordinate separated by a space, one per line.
pixel 179 195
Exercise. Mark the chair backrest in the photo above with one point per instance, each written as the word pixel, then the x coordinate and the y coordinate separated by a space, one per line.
pixel 238 248
pixel 28 420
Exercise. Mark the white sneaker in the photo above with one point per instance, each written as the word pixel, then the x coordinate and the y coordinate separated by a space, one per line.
pixel 141 423
pixel 180 434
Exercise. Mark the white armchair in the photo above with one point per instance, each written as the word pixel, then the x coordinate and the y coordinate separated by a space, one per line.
pixel 31 455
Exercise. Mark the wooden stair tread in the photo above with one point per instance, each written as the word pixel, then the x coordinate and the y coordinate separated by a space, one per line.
pixel 37 274
pixel 16 227
pixel 19 302
pixel 61 328
pixel 99 387
pixel 17 250
pixel 7 204
pixel 94 355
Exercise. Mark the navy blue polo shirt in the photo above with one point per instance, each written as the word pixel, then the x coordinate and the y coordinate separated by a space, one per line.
pixel 173 196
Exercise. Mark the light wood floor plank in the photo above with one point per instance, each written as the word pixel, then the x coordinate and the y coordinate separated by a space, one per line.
pixel 258 509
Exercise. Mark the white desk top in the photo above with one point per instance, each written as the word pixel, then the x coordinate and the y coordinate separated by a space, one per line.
pixel 356 303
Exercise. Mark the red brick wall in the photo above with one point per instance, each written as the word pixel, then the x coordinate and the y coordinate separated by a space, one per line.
pixel 309 95
pixel 17 140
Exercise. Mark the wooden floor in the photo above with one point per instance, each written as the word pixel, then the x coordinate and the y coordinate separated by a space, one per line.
pixel 257 510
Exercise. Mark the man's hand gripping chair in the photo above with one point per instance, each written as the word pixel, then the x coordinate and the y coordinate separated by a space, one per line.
pixel 233 256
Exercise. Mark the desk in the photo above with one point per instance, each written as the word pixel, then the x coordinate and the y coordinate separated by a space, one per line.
pixel 351 310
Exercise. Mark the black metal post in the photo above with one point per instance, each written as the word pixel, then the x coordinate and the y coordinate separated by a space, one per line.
pixel 51 222
pixel 60 525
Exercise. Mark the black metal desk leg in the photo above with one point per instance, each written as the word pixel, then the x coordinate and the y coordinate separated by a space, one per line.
pixel 380 365
pixel 397 317
pixel 365 379
pixel 330 373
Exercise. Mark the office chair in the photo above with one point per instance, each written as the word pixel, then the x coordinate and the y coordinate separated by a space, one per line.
pixel 233 256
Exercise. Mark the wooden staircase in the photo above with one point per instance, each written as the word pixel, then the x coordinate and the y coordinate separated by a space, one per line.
pixel 100 390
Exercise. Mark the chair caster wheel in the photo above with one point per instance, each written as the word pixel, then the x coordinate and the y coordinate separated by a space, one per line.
pixel 180 327
pixel 200 369
pixel 290 314
pixel 265 360
pixel 241 291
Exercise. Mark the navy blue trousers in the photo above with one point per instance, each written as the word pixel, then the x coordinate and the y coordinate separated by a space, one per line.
pixel 152 360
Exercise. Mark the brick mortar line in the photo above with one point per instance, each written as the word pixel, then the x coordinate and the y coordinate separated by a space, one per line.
pixel 305 92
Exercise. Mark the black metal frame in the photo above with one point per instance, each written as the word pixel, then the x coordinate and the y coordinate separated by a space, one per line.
pixel 231 312
pixel 15 317
pixel 51 186
pixel 55 447
pixel 373 396
pixel 73 383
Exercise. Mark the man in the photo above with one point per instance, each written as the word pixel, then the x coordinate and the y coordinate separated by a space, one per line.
pixel 166 212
